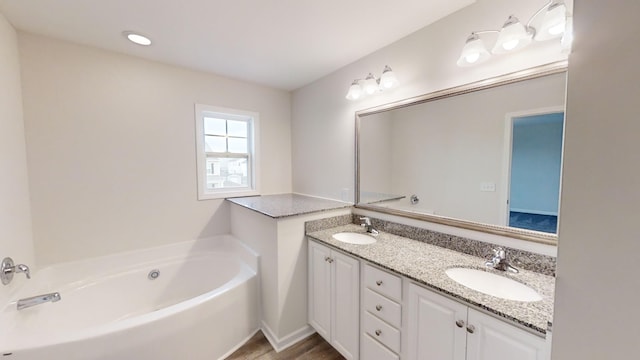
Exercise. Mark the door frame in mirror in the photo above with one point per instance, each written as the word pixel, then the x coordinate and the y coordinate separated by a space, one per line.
pixel 522 234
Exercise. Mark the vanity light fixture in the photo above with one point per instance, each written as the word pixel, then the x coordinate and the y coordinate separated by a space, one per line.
pixel 137 38
pixel 370 85
pixel 514 35
pixel 474 51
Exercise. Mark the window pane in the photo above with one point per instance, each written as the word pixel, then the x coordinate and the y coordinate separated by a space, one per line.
pixel 214 126
pixel 225 173
pixel 237 146
pixel 215 144
pixel 237 128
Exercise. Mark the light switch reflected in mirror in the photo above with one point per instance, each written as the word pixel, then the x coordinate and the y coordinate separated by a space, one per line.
pixel 485 156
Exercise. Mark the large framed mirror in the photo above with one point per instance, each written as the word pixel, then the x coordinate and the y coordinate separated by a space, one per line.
pixel 485 156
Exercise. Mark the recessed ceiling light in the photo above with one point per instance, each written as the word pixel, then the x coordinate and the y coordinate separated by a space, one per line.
pixel 137 38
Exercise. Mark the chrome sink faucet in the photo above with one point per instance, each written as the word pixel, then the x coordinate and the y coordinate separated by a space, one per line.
pixel 37 300
pixel 7 269
pixel 366 223
pixel 499 261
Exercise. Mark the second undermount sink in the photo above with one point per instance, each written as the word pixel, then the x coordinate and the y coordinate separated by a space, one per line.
pixel 354 238
pixel 492 284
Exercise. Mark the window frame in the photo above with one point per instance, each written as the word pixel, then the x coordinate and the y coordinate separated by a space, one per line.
pixel 253 146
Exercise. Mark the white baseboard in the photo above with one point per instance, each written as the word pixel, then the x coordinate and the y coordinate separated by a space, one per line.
pixel 287 341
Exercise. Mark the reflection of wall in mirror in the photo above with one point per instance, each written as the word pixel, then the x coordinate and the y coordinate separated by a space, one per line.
pixel 375 156
pixel 444 150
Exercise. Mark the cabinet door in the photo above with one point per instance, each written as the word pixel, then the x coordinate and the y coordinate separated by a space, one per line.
pixel 346 304
pixel 493 339
pixel 320 289
pixel 433 333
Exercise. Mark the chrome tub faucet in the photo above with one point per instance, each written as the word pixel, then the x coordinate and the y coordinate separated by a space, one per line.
pixel 37 300
pixel 499 261
pixel 7 269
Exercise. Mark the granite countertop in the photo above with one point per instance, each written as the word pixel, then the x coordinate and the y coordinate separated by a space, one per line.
pixel 427 264
pixel 283 205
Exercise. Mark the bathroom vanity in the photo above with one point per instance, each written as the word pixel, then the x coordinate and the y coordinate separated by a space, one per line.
pixel 392 299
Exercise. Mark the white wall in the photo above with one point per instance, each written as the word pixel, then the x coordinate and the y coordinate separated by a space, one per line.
pixel 323 120
pixel 375 156
pixel 111 148
pixel 596 308
pixel 15 214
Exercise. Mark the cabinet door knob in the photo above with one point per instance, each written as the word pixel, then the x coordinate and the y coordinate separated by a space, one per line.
pixel 378 307
pixel 379 282
pixel 378 332
pixel 471 329
pixel 326 258
pixel 330 260
pixel 460 323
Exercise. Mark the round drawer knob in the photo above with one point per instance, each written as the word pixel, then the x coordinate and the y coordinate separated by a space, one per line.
pixel 378 307
pixel 460 323
pixel 379 282
pixel 378 332
pixel 471 329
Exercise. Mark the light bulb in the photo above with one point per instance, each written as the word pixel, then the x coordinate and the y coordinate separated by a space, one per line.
pixel 471 58
pixel 474 51
pixel 553 23
pixel 137 38
pixel 388 78
pixel 558 29
pixel 512 36
pixel 355 91
pixel 511 44
pixel 370 84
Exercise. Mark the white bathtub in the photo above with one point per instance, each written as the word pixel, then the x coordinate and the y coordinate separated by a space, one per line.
pixel 203 305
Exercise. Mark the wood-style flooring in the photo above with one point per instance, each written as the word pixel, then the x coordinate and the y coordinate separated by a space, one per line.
pixel 312 348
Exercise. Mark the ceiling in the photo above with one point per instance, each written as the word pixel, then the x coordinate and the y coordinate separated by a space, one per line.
pixel 284 44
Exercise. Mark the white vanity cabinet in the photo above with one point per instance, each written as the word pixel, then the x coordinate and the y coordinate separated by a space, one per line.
pixel 440 328
pixel 381 314
pixel 334 298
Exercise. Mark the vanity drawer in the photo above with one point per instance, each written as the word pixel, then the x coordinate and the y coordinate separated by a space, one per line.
pixel 382 332
pixel 383 282
pixel 387 310
pixel 373 350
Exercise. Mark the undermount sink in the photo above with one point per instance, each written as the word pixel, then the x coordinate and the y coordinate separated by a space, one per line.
pixel 354 238
pixel 492 284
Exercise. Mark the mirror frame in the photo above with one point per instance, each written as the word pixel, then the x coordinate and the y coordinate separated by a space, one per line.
pixel 522 234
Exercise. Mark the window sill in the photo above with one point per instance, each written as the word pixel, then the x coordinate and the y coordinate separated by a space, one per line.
pixel 229 194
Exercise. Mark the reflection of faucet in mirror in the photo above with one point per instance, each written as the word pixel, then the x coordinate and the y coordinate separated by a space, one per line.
pixel 366 223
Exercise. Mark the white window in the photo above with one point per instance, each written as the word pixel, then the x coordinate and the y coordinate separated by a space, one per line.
pixel 226 152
